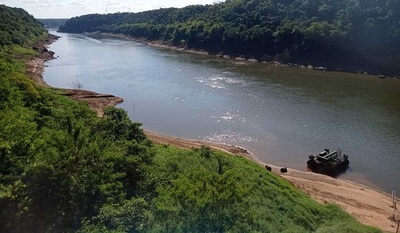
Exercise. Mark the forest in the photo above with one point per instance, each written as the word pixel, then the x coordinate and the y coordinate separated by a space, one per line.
pixel 63 169
pixel 348 35
pixel 17 27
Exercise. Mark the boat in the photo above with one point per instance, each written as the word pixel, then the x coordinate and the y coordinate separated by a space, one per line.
pixel 328 163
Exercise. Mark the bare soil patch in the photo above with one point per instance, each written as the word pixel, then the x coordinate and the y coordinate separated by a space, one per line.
pixel 97 102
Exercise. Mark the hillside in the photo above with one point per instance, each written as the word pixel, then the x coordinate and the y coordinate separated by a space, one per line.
pixel 18 27
pixel 351 35
pixel 63 169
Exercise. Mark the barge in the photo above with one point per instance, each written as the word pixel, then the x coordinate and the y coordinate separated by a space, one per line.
pixel 328 163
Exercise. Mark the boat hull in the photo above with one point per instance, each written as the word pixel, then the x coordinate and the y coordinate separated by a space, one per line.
pixel 331 169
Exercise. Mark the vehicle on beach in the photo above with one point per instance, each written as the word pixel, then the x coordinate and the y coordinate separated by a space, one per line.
pixel 328 163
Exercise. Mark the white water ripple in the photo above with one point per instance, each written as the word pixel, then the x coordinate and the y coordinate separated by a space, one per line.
pixel 221 82
pixel 228 136
pixel 230 116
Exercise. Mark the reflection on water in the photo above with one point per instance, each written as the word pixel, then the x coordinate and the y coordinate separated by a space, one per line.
pixel 280 114
pixel 230 137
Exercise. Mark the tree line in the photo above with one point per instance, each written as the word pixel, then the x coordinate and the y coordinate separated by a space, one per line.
pixel 354 35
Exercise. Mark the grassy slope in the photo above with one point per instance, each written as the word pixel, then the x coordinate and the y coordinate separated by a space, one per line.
pixel 244 196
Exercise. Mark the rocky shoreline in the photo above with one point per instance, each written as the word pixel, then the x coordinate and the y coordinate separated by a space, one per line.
pixel 369 206
pixel 35 65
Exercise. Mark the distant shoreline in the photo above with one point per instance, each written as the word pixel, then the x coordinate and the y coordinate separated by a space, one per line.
pixel 158 44
pixel 368 205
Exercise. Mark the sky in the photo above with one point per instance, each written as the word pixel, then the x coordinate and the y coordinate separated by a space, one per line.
pixel 71 8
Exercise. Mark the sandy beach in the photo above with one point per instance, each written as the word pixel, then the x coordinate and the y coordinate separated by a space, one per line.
pixel 368 205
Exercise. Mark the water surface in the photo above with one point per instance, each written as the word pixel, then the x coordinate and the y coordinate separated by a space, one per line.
pixel 280 114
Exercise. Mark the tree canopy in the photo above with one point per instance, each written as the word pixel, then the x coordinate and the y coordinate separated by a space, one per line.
pixel 18 27
pixel 354 35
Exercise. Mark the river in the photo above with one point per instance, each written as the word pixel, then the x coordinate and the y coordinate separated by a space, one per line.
pixel 281 114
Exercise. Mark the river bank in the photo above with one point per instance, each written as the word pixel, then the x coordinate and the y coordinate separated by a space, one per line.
pixel 239 60
pixel 308 182
pixel 35 69
pixel 367 205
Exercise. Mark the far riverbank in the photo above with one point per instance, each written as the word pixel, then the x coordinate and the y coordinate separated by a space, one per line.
pixel 239 60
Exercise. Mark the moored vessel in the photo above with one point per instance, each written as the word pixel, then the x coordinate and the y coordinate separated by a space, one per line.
pixel 329 163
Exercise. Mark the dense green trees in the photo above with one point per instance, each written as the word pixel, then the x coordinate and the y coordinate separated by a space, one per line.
pixel 60 164
pixel 18 27
pixel 346 34
pixel 62 169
